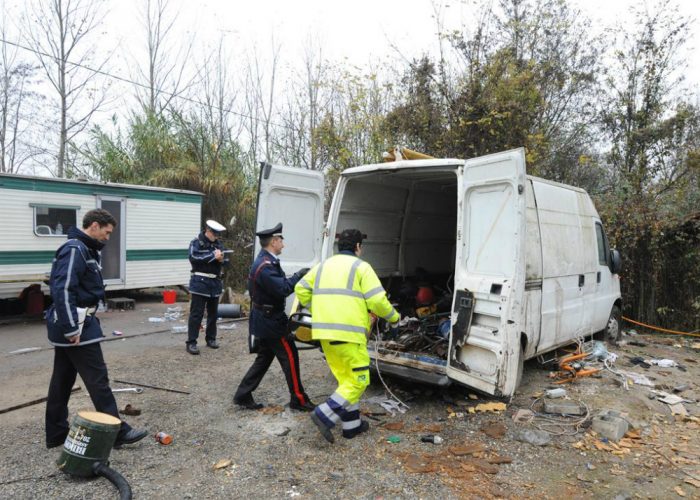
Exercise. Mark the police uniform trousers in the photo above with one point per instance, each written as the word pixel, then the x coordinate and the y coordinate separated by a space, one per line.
pixel 349 363
pixel 197 306
pixel 288 357
pixel 86 360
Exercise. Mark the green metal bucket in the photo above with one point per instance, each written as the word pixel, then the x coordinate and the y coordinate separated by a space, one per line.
pixel 90 439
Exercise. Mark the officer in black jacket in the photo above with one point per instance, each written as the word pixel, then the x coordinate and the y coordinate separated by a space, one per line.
pixel 207 259
pixel 74 330
pixel 268 331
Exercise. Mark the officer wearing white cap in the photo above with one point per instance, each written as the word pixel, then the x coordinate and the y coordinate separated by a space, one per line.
pixel 268 332
pixel 207 259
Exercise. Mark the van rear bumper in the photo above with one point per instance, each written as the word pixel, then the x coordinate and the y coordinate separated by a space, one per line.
pixel 421 369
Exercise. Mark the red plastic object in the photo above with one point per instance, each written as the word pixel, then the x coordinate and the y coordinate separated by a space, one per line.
pixel 169 296
pixel 425 296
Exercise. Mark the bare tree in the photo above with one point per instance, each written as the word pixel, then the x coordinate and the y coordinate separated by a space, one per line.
pixel 59 33
pixel 308 96
pixel 164 75
pixel 15 96
pixel 259 88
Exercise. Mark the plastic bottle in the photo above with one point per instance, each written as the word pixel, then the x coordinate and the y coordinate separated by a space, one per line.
pixel 432 438
pixel 164 438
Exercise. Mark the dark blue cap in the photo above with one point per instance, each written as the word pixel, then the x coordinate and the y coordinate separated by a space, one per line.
pixel 275 231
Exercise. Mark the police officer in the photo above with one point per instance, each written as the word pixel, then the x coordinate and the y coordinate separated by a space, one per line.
pixel 339 292
pixel 74 330
pixel 207 259
pixel 268 331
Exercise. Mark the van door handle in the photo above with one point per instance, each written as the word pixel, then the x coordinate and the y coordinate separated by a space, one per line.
pixel 581 280
pixel 598 277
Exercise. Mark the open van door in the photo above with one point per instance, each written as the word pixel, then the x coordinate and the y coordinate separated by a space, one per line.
pixel 294 197
pixel 485 350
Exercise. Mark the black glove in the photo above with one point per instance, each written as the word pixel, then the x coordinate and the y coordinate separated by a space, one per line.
pixel 301 272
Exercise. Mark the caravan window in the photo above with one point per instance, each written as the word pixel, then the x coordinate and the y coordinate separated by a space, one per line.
pixel 50 220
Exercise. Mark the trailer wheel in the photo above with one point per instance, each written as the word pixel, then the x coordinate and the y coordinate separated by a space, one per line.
pixel 613 329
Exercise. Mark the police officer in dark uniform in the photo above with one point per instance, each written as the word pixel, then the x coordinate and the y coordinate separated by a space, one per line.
pixel 74 330
pixel 268 331
pixel 207 259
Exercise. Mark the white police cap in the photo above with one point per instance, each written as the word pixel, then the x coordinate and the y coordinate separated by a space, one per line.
pixel 215 226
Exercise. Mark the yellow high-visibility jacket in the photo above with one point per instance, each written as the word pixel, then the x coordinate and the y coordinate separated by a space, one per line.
pixel 339 292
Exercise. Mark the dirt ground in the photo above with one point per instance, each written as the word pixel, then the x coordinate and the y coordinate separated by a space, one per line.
pixel 277 453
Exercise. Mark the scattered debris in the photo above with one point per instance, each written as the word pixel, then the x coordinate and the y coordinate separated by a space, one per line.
pixel 495 430
pixel 663 363
pixel 493 406
pixel 534 436
pixel 432 438
pixel 131 411
pixel 271 410
pixel 25 350
pixel 222 464
pixel 117 333
pixel 466 449
pixel 559 392
pixel 566 407
pixel 179 329
pixel 523 416
pixel 610 424
pixel 393 439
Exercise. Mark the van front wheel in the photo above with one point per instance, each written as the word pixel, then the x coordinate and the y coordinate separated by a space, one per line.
pixel 613 330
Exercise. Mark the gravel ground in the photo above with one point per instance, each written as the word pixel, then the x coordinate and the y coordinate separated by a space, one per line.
pixel 277 453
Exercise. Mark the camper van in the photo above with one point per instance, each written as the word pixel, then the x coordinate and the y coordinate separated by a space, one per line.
pixel 148 248
pixel 488 266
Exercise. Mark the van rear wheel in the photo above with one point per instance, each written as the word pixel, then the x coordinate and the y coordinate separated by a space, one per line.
pixel 613 330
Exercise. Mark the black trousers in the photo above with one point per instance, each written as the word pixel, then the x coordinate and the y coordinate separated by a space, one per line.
pixel 199 302
pixel 86 360
pixel 288 357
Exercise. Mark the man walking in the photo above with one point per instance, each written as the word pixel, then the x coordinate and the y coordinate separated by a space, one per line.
pixel 74 330
pixel 268 330
pixel 340 291
pixel 207 259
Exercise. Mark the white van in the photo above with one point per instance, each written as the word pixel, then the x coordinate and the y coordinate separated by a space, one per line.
pixel 525 261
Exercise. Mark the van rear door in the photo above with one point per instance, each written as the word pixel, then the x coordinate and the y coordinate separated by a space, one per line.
pixel 294 197
pixel 485 350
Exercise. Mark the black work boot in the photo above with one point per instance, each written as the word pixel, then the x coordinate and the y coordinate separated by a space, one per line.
pixel 192 348
pixel 325 431
pixel 351 433
pixel 213 344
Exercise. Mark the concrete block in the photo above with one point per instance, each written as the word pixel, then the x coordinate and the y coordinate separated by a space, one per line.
pixel 609 424
pixel 122 303
pixel 563 407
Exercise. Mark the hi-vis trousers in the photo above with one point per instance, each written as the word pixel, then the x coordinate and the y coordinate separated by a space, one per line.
pixel 349 364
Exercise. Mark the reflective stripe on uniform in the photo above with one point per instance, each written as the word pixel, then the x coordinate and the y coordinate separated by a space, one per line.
pixel 338 326
pixel 305 284
pixel 373 292
pixel 339 291
pixel 353 271
pixel 66 296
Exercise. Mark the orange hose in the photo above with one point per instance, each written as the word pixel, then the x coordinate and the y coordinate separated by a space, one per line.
pixel 658 328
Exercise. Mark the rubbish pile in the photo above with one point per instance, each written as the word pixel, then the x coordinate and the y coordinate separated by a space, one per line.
pixel 425 329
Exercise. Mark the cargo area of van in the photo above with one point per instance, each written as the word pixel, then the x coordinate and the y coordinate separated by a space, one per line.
pixel 410 218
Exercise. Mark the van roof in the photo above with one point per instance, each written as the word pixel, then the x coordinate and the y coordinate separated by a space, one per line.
pixel 404 164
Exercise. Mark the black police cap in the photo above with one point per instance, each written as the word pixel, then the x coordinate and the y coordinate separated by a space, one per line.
pixel 275 231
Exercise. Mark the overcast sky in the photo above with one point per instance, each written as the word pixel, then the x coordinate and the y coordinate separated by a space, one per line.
pixel 355 30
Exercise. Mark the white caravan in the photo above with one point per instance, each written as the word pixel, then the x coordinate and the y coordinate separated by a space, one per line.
pixel 148 248
pixel 527 259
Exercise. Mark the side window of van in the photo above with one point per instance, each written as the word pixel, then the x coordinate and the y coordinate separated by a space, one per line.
pixel 602 245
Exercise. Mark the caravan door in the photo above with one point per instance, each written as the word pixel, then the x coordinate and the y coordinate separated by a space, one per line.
pixel 294 197
pixel 114 251
pixel 484 351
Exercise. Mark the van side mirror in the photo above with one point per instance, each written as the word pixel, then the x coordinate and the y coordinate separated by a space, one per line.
pixel 615 262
